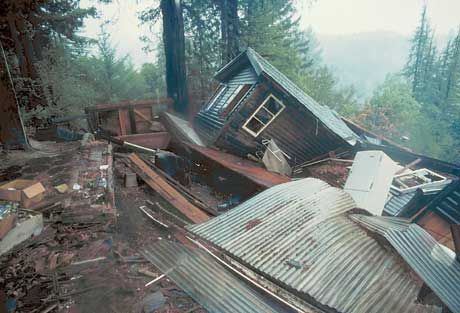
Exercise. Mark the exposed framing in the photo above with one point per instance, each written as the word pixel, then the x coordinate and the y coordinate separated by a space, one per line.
pixel 236 100
pixel 262 107
pixel 217 94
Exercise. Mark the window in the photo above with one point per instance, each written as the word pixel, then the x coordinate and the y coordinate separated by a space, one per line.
pixel 216 96
pixel 234 99
pixel 415 179
pixel 264 115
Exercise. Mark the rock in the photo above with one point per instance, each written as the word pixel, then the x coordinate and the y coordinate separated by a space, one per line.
pixel 153 302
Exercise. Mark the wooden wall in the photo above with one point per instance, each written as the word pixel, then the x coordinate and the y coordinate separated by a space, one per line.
pixel 296 131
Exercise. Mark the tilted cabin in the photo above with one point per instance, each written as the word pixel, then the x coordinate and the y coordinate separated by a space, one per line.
pixel 255 102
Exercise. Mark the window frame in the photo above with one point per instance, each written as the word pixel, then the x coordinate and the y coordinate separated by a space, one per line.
pixel 261 107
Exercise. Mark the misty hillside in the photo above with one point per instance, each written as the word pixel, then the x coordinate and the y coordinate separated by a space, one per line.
pixel 364 59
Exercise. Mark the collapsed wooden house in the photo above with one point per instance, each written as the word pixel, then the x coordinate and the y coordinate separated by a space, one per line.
pixel 256 103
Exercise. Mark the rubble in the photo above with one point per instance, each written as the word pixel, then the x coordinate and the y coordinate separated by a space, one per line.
pixel 234 217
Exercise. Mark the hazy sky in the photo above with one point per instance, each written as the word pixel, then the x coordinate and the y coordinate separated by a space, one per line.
pixel 401 16
pixel 325 17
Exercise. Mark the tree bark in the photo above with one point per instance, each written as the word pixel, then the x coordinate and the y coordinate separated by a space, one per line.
pixel 174 45
pixel 230 30
pixel 12 133
pixel 17 44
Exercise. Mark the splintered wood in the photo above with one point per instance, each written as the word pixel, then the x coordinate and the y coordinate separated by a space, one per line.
pixel 160 185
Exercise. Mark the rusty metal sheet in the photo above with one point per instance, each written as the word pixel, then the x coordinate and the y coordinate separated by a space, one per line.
pixel 246 168
pixel 160 185
pixel 149 140
pixel 435 264
pixel 299 235
pixel 205 280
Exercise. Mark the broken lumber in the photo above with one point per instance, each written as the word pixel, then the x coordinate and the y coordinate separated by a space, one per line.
pixel 186 192
pixel 125 144
pixel 162 187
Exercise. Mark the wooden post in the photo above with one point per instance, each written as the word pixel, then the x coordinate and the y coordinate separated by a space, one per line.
pixel 132 120
pixel 455 229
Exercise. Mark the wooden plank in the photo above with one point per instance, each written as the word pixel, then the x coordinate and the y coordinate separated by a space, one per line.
pixel 160 185
pixel 455 229
pixel 123 120
pixel 150 140
pixel 127 104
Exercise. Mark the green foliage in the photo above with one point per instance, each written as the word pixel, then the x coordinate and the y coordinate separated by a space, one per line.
pixel 452 73
pixel 392 109
pixel 154 78
pixel 76 81
pixel 322 86
pixel 272 29
pixel 203 44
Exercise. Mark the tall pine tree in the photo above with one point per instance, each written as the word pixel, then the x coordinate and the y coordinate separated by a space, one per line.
pixel 420 58
pixel 452 88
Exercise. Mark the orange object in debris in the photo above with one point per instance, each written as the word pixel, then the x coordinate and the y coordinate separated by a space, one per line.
pixel 28 192
pixel 160 185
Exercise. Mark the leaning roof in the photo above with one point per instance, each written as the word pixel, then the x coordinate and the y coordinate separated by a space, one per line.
pixel 328 117
pixel 299 235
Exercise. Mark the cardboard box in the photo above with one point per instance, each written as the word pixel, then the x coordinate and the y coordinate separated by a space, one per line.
pixel 28 192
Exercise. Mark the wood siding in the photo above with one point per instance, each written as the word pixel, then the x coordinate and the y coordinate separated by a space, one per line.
pixel 210 122
pixel 296 130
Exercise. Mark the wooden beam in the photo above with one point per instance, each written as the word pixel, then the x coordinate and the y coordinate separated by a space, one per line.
pixel 455 229
pixel 162 187
pixel 407 166
pixel 126 104
pixel 122 119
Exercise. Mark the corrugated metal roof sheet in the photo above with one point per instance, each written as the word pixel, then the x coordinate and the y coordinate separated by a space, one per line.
pixel 328 117
pixel 380 224
pixel 207 282
pixel 435 264
pixel 298 235
pixel 397 201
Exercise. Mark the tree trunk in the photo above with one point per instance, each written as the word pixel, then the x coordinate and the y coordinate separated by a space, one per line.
pixel 17 44
pixel 12 133
pixel 174 44
pixel 230 29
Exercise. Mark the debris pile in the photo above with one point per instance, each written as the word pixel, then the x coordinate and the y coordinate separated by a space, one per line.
pixel 266 202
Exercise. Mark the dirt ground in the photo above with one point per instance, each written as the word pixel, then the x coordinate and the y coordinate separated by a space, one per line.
pixel 51 272
pixel 119 285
